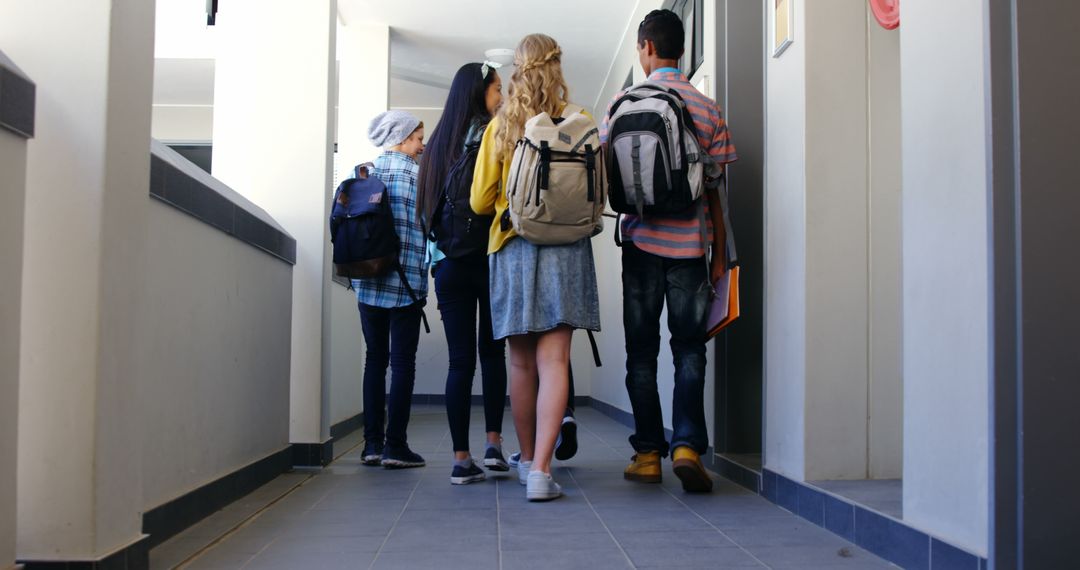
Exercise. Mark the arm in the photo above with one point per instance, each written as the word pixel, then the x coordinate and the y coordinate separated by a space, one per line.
pixel 719 263
pixel 486 176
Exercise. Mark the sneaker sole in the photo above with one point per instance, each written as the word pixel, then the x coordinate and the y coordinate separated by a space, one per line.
pixel 636 477
pixel 466 480
pixel 540 497
pixel 371 460
pixel 496 465
pixel 693 476
pixel 398 464
pixel 569 440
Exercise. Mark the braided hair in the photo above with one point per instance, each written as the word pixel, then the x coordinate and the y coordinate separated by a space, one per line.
pixel 537 86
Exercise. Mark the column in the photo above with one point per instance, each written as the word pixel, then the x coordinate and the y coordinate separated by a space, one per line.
pixel 87 178
pixel 817 244
pixel 16 126
pixel 273 98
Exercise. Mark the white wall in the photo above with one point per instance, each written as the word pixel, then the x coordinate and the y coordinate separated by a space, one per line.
pixel 946 279
pixel 12 199
pixel 78 396
pixel 277 150
pixel 183 123
pixel 213 356
pixel 346 355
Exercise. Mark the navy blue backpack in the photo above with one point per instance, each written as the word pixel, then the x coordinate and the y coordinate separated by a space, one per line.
pixel 362 230
pixel 362 227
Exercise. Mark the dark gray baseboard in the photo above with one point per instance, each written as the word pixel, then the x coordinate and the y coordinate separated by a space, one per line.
pixel 312 454
pixel 892 539
pixel 346 426
pixel 133 557
pixel 740 474
pixel 163 522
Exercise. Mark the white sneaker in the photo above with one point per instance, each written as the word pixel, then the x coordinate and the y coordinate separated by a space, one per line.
pixel 523 468
pixel 541 487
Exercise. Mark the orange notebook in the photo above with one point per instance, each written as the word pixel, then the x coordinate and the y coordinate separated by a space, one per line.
pixel 725 304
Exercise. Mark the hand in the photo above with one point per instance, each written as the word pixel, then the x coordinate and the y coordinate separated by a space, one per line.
pixel 717 268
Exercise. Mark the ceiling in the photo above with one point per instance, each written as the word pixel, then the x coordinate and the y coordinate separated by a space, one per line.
pixel 430 39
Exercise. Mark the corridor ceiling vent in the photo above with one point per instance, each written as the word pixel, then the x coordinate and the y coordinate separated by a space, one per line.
pixel 887 13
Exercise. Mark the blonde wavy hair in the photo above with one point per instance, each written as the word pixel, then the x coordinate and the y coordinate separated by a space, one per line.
pixel 536 86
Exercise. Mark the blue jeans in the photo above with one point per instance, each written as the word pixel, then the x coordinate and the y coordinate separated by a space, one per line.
pixel 462 288
pixel 647 281
pixel 391 336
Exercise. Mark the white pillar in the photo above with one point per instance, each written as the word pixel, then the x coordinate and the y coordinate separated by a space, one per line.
pixel 273 143
pixel 79 468
pixel 817 242
pixel 12 199
pixel 946 299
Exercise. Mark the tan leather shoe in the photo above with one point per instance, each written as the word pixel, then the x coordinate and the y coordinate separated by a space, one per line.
pixel 645 467
pixel 688 468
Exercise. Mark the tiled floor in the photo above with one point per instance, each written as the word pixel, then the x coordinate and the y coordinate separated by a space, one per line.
pixel 353 516
pixel 882 495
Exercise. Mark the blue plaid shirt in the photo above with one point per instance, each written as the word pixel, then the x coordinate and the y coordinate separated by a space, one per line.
pixel 398 171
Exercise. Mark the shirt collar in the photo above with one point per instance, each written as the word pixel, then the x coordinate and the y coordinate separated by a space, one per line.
pixel 668 73
pixel 400 155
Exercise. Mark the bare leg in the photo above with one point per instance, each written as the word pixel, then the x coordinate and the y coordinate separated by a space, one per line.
pixel 552 359
pixel 523 386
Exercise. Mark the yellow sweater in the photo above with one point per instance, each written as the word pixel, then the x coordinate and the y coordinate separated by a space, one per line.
pixel 488 196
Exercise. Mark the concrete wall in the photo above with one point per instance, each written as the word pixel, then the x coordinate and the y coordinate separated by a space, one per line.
pixel 945 259
pixel 213 353
pixel 12 200
pixel 183 123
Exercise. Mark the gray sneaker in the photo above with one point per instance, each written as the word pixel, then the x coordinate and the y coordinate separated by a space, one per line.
pixel 541 487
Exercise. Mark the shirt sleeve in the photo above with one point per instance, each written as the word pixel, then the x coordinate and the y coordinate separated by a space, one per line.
pixel 721 148
pixel 487 174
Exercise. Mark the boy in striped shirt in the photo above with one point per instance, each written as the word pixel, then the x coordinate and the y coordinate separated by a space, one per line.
pixel 664 257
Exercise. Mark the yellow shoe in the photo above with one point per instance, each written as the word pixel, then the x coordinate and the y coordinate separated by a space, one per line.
pixel 688 468
pixel 645 468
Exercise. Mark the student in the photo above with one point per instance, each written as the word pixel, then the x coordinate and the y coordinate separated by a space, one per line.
pixel 461 274
pixel 390 310
pixel 539 293
pixel 664 258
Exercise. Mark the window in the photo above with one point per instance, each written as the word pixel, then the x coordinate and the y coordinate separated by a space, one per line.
pixel 692 13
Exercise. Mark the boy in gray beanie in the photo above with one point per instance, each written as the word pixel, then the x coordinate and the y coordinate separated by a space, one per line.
pixel 391 306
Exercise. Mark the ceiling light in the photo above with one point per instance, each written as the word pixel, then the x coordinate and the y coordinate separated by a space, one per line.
pixel 500 55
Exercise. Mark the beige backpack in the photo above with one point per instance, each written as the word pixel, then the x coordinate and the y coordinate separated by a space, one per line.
pixel 557 184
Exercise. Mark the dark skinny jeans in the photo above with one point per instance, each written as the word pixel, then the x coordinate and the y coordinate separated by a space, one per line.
pixel 391 336
pixel 461 286
pixel 649 280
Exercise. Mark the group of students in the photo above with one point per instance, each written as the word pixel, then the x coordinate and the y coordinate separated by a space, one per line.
pixel 504 288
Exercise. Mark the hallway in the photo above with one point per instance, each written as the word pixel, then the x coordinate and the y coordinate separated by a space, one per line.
pixel 352 516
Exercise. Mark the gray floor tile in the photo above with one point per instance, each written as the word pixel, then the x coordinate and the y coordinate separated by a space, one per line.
pixel 349 516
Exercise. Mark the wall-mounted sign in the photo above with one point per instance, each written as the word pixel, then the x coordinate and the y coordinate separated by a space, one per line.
pixel 783 25
pixel 887 13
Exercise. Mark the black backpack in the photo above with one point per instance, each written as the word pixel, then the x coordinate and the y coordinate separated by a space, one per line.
pixel 456 229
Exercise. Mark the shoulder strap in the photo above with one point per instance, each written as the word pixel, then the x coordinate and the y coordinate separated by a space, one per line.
pixel 412 294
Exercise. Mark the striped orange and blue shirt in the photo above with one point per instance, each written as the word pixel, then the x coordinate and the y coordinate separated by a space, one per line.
pixel 679 236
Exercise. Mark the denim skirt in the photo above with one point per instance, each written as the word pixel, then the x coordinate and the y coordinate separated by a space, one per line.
pixel 536 288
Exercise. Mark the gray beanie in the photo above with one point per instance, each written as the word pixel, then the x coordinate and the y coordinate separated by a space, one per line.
pixel 391 128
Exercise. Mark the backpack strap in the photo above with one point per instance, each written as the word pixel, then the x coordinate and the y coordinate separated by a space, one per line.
pixel 595 349
pixel 413 296
pixel 639 191
pixel 590 168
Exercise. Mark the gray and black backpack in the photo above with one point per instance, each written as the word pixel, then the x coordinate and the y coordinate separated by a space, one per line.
pixel 655 164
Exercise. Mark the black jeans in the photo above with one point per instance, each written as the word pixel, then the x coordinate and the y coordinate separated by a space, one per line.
pixel 391 336
pixel 647 281
pixel 462 288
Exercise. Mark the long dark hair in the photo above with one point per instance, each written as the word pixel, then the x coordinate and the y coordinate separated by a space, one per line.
pixel 465 105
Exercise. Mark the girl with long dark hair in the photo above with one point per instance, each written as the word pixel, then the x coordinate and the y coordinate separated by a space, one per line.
pixel 461 267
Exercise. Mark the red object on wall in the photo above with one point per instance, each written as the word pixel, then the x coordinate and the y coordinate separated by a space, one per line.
pixel 887 13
